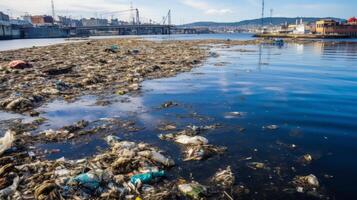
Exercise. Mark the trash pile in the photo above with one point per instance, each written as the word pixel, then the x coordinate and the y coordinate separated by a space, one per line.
pixel 127 170
pixel 306 183
pixel 31 77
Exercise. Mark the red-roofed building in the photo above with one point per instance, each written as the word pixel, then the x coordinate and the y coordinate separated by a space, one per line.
pixel 352 20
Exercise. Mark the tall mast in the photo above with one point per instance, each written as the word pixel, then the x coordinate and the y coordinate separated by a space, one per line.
pixel 262 22
pixel 53 10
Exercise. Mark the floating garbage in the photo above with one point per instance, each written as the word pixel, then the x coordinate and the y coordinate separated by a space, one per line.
pixel 168 104
pixel 235 114
pixel 146 177
pixel 167 127
pixel 213 54
pixel 201 152
pixel 305 159
pixel 224 178
pixel 19 104
pixel 256 165
pixel 111 139
pixel 271 127
pixel 306 182
pixel 188 140
pixel 158 157
pixel 193 190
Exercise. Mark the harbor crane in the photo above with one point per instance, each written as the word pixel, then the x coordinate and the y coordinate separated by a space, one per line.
pixel 136 20
pixel 167 19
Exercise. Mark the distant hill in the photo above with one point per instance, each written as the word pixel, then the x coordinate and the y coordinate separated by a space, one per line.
pixel 257 22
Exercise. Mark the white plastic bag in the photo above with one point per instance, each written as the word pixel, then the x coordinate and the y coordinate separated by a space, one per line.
pixel 187 140
pixel 6 141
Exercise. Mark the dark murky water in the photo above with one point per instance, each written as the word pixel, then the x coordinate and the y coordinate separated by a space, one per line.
pixel 309 91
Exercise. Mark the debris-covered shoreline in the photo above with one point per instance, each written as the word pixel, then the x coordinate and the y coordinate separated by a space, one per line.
pixel 126 169
pixel 33 76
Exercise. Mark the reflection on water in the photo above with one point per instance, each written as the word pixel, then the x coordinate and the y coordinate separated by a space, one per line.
pixel 309 91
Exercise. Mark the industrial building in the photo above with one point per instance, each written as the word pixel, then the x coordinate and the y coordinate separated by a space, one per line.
pixel 5 27
pixel 39 20
pixel 332 27
pixel 94 22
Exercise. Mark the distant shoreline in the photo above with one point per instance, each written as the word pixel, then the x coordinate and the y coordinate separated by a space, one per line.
pixel 304 36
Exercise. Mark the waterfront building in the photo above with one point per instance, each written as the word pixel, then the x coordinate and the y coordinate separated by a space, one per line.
pixel 68 22
pixel 332 27
pixel 94 22
pixel 5 26
pixel 4 17
pixel 42 20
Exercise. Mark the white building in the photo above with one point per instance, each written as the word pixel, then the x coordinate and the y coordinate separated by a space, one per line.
pixel 301 28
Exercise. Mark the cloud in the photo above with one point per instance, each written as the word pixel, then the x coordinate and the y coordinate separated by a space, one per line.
pixel 218 11
pixel 205 7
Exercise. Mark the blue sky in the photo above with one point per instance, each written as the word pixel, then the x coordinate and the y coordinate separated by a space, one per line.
pixel 185 11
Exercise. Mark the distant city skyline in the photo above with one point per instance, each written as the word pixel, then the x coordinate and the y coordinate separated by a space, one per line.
pixel 185 11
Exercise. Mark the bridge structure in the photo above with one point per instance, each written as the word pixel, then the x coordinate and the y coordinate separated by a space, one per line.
pixel 135 26
pixel 129 29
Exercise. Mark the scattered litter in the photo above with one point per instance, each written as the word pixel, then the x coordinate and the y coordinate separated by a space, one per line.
pixel 230 115
pixel 224 178
pixel 112 49
pixel 146 177
pixel 213 54
pixel 7 141
pixel 19 104
pixel 169 104
pixel 306 182
pixel 167 127
pixel 256 165
pixel 93 67
pixel 7 192
pixel 201 152
pixel 271 127
pixel 111 139
pixel 19 64
pixel 193 190
pixel 188 140
pixel 305 159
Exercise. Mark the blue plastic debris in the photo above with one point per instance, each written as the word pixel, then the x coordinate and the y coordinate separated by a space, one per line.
pixel 146 177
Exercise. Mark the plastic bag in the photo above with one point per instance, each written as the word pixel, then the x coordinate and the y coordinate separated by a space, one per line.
pixel 6 141
pixel 146 177
pixel 187 140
